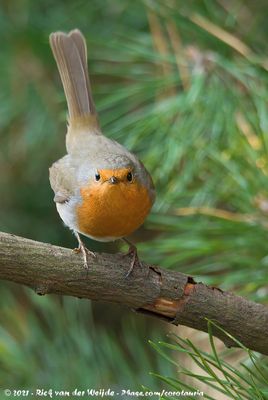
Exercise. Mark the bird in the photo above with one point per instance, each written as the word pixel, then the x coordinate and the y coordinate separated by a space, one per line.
pixel 101 189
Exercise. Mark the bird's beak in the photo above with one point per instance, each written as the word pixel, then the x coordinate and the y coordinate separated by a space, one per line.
pixel 113 180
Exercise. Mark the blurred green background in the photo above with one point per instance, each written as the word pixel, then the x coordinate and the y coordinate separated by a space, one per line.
pixel 184 85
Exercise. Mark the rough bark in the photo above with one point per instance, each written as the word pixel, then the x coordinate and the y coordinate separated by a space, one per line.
pixel 161 293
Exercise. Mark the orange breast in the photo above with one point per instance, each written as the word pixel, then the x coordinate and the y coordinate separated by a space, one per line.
pixel 112 211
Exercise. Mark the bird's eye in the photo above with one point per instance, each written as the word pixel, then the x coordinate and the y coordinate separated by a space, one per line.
pixel 129 177
pixel 97 177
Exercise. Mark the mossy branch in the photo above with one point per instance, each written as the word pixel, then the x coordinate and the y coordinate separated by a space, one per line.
pixel 161 293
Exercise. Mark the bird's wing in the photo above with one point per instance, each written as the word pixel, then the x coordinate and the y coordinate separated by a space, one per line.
pixel 62 179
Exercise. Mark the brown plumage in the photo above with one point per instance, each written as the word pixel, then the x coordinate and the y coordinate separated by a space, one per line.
pixel 70 53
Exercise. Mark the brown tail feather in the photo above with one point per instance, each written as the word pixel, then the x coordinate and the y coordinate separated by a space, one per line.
pixel 70 53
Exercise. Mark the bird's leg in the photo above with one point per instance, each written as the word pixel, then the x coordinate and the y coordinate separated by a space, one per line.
pixel 82 249
pixel 132 251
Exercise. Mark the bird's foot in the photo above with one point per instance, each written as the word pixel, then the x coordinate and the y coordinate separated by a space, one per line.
pixel 85 252
pixel 133 252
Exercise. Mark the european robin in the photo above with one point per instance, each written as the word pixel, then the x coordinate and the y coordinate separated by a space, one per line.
pixel 101 189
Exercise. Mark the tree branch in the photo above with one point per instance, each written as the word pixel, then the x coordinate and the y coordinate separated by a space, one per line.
pixel 168 295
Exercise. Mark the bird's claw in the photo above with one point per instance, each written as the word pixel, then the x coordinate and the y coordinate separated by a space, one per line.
pixel 132 251
pixel 85 252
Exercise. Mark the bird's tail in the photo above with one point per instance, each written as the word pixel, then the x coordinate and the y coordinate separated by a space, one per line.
pixel 70 53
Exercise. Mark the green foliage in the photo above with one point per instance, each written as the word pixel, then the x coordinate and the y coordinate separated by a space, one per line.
pixel 248 381
pixel 190 98
pixel 61 343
